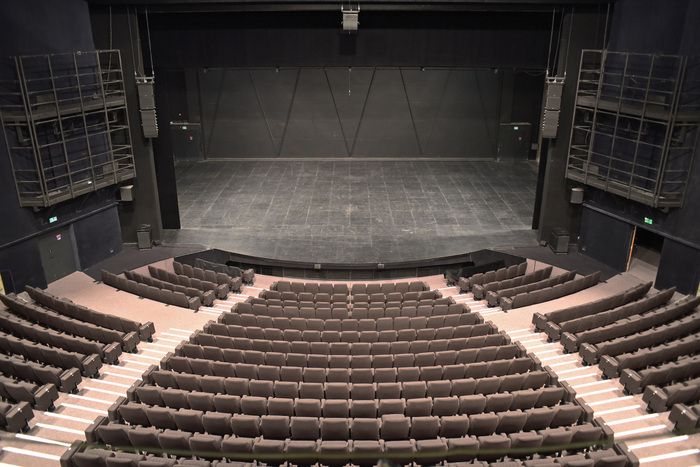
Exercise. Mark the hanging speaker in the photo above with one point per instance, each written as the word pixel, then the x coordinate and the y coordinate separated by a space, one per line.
pixel 554 87
pixel 350 18
pixel 147 106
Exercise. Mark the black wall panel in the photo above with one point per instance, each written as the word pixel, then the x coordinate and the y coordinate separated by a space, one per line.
pixel 386 128
pixel 336 112
pixel 313 128
pixel 350 89
pixel 606 239
pixel 679 267
pixel 98 237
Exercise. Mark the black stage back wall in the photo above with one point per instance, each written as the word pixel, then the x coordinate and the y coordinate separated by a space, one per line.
pixel 337 112
pixel 292 84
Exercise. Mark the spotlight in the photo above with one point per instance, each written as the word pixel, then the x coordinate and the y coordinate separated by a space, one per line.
pixel 350 14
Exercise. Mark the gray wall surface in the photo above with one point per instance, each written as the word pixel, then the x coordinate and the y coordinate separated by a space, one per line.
pixel 338 112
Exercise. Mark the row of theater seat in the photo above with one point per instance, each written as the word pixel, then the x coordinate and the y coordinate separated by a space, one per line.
pixel 108 353
pixel 355 306
pixel 217 284
pixel 206 297
pixel 591 343
pixel 355 375
pixel 550 292
pixel 342 311
pixel 166 296
pixel 643 357
pixel 602 318
pixel 89 365
pixel 374 298
pixel 247 275
pixel 447 357
pixel 40 397
pixel 389 335
pixel 480 290
pixel 80 455
pixel 66 307
pixel 608 352
pixel 304 449
pixel 235 387
pixel 342 288
pixel 608 325
pixel 233 283
pixel 349 348
pixel 522 399
pixel 687 367
pixel 566 319
pixel 70 325
pixel 348 324
pixel 497 297
pixel 65 380
pixel 390 426
pixel 466 284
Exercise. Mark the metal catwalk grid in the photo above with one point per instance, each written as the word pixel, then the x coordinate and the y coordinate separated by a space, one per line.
pixel 66 125
pixel 635 125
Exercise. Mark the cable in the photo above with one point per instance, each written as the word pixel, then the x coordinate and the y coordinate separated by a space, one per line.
pixel 150 48
pixel 551 35
pixel 605 32
pixel 109 62
pixel 110 27
pixel 568 40
pixel 556 51
pixel 131 41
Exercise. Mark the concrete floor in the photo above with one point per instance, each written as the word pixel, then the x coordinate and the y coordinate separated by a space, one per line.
pixel 355 211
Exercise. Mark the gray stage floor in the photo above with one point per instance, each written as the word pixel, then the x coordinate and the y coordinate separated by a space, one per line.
pixel 355 211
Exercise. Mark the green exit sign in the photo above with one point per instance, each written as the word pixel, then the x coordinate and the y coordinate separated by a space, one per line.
pixel 648 220
pixel 53 219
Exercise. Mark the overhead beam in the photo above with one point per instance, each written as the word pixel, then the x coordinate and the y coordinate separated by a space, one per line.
pixel 191 6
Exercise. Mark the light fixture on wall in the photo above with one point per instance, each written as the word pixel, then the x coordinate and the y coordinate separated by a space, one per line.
pixel 350 18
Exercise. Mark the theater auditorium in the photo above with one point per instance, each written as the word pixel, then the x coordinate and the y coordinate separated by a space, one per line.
pixel 306 233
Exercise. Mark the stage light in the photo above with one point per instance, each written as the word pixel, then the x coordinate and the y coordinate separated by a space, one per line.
pixel 350 18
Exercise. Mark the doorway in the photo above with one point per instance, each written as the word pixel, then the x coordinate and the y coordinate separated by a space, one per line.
pixel 57 252
pixel 645 254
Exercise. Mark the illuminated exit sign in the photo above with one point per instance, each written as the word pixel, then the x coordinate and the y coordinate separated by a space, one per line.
pixel 648 220
pixel 53 219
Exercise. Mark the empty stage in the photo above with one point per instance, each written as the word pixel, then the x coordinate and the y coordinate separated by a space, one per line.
pixel 354 211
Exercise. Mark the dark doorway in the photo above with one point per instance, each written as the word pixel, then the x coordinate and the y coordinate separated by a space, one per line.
pixel 57 251
pixel 645 254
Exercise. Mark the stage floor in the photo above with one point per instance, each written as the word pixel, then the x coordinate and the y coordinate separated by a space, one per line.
pixel 355 211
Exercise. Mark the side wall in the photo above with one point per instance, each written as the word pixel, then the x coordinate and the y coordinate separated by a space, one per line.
pixel 39 27
pixel 644 26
